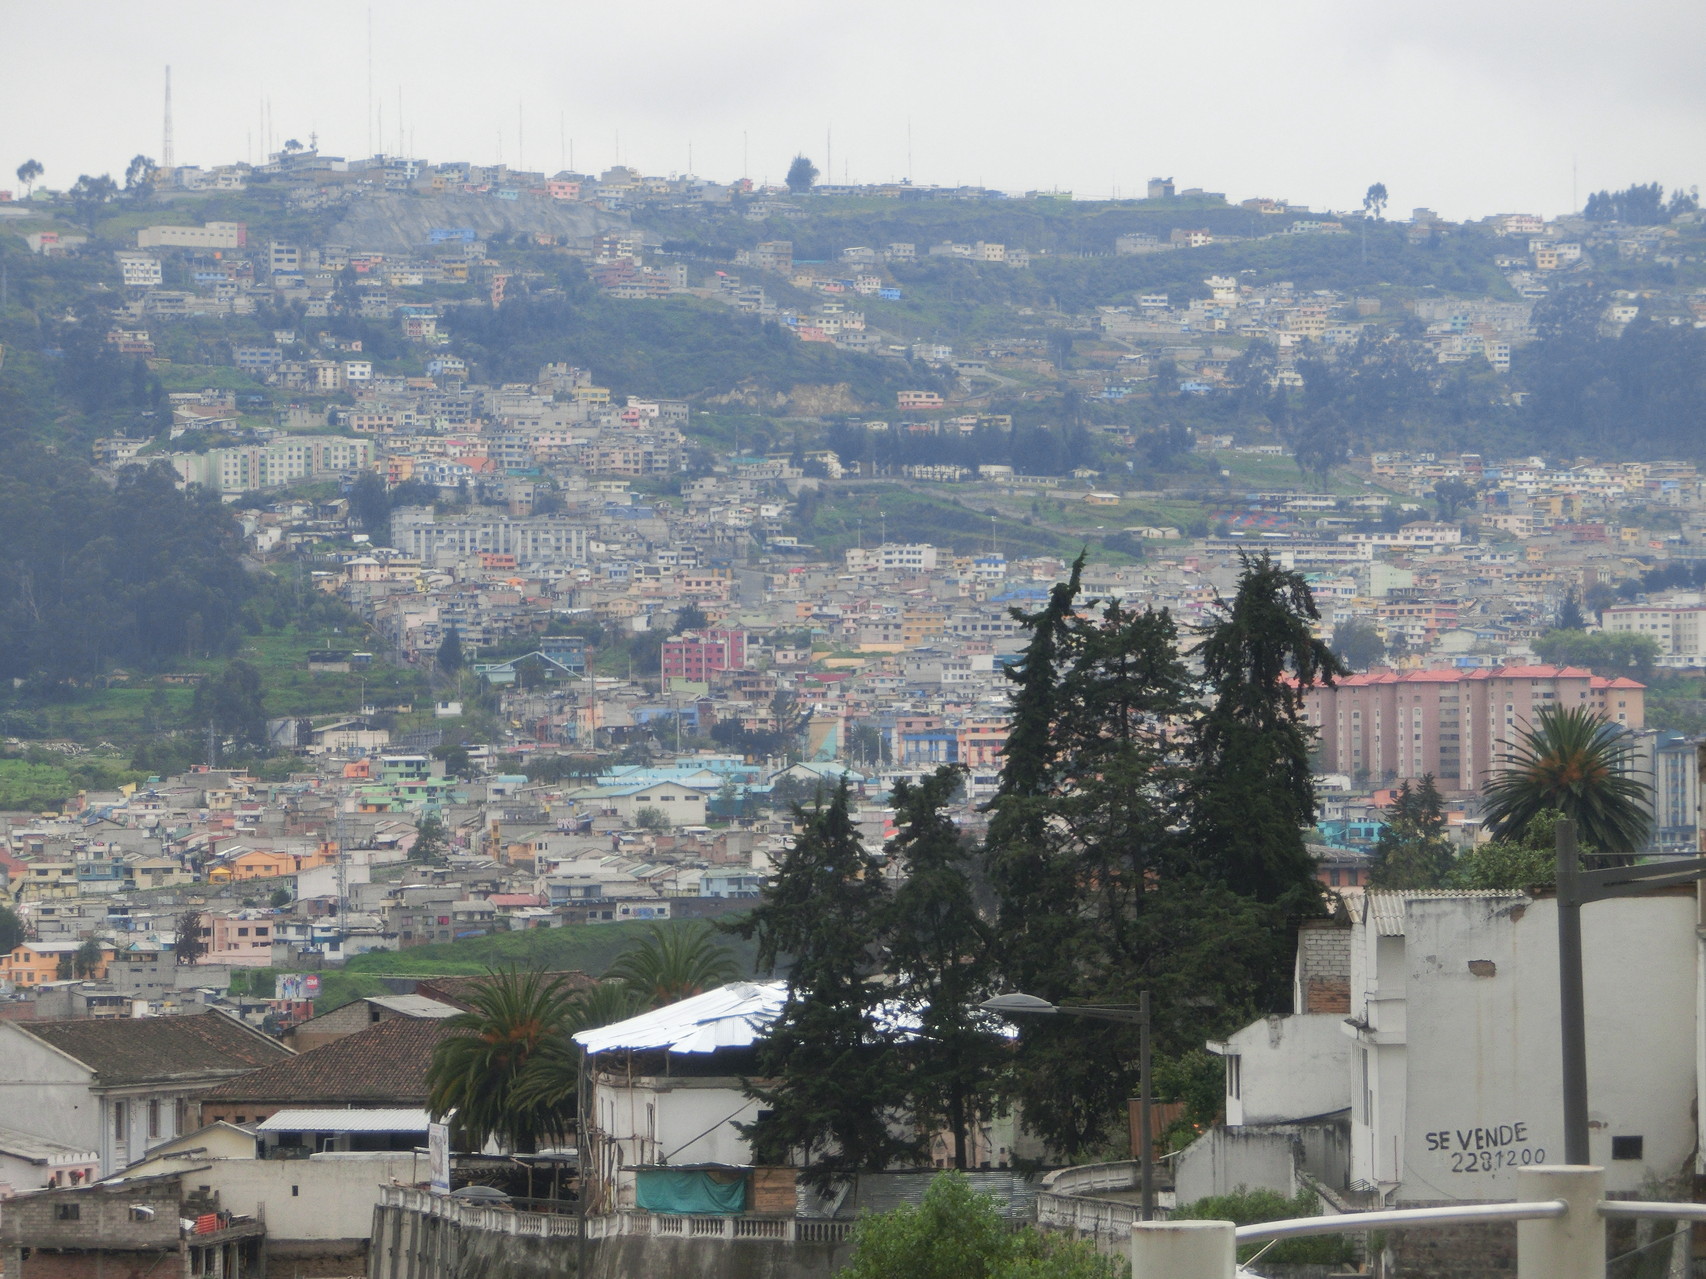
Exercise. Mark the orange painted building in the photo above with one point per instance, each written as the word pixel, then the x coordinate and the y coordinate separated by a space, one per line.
pixel 32 963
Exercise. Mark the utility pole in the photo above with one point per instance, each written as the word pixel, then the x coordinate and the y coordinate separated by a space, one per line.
pixel 1576 888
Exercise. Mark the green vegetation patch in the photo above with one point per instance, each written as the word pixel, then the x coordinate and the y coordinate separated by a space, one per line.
pixel 588 948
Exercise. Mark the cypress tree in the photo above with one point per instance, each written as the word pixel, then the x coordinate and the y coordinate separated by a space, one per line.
pixel 1253 794
pixel 833 1091
pixel 941 962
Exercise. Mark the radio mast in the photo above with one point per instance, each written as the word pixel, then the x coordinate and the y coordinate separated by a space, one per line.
pixel 166 137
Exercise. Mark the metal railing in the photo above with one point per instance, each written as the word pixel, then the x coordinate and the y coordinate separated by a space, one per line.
pixel 1560 1228
pixel 1399 1218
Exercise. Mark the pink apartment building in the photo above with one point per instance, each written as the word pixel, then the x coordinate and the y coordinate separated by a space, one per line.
pixel 1456 724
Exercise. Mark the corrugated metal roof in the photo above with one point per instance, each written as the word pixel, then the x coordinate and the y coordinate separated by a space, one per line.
pixel 380 1120
pixel 414 1005
pixel 731 1016
pixel 1386 908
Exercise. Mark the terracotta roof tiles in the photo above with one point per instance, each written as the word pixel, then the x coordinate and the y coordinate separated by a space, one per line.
pixel 386 1064
pixel 140 1049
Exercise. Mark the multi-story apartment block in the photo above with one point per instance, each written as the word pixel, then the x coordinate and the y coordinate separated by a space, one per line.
pixel 696 655
pixel 542 539
pixel 139 270
pixel 1455 724
pixel 286 459
pixel 1675 627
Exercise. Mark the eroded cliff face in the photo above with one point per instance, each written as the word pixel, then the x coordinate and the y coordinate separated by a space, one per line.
pixel 803 399
pixel 402 221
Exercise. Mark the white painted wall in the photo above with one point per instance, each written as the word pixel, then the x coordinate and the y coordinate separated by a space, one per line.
pixel 656 1119
pixel 42 1091
pixel 1289 1068
pixel 46 1093
pixel 322 1197
pixel 1223 1160
pixel 1465 1068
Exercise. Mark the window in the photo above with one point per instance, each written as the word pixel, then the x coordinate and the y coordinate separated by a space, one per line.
pixel 153 1118
pixel 1627 1147
pixel 1234 1075
pixel 121 1119
pixel 67 1212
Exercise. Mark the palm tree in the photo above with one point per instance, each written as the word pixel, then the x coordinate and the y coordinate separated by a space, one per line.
pixel 485 1070
pixel 552 1079
pixel 1574 761
pixel 669 964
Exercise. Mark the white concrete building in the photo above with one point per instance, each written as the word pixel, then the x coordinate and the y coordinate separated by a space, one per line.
pixel 1455 1026
pixel 686 1115
pixel 121 1087
pixel 1675 626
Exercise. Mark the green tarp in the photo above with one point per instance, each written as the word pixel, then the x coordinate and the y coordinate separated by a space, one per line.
pixel 690 1190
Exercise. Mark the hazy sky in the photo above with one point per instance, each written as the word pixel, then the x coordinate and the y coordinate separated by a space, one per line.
pixel 1466 107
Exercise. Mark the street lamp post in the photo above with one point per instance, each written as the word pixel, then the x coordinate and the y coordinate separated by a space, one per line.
pixel 1007 1005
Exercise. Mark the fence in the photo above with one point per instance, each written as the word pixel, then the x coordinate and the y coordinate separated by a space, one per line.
pixel 1068 1201
pixel 626 1223
pixel 1560 1216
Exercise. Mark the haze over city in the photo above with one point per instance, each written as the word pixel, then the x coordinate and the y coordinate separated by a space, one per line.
pixel 1469 109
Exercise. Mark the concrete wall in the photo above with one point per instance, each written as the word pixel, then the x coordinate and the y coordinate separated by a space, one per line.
pixel 322 1199
pixel 103 1218
pixel 659 1119
pixel 46 1093
pixel 407 1245
pixel 1463 1041
pixel 1223 1159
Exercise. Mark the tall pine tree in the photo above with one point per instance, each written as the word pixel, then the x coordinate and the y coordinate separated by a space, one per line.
pixel 1086 857
pixel 1253 793
pixel 1412 851
pixel 941 962
pixel 827 1066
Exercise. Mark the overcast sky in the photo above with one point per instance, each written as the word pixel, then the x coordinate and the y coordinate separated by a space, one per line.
pixel 1469 107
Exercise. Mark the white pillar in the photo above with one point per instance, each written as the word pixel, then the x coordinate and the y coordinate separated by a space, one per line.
pixel 1567 1247
pixel 1183 1250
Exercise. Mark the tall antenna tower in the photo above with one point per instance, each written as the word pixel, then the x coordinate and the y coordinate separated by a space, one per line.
pixel 343 870
pixel 166 137
pixel 370 150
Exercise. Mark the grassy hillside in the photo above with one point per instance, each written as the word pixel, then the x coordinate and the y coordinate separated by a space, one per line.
pixel 589 949
pixel 845 515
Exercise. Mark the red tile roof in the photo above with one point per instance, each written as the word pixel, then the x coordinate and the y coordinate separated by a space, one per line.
pixel 384 1065
pixel 1452 675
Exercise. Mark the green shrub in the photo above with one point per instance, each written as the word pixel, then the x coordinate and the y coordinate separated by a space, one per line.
pixel 1245 1207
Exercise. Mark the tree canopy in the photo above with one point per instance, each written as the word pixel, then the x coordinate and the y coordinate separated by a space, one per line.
pixel 956 1233
pixel 1575 761
pixel 1148 831
pixel 486 1071
pixel 1412 851
pixel 136 573
pixel 835 1099
pixel 801 174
